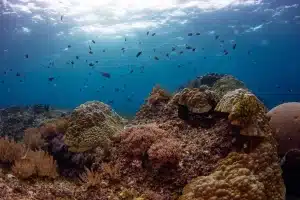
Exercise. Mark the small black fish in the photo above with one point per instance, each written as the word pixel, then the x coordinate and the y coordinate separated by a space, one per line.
pixel 181 52
pixel 69 46
pixel 18 74
pixel 156 58
pixel 190 34
pixel 26 56
pixel 93 41
pixel 154 50
pixel 179 66
pixel 77 57
pixel 290 90
pixel 249 52
pixel 86 61
pixel 117 89
pixel 131 71
pixel 91 64
pixel 50 79
pixel 111 102
pixel 72 62
pixel 202 48
pixel 147 32
pixel 96 61
pixel 90 52
pixel 217 37
pixel 167 55
pixel 225 52
pixel 90 48
pixel 188 47
pixel 105 74
pixel 194 49
pixel 153 34
pixel 123 49
pixel 234 46
pixel 103 50
pixel 173 48
pixel 138 54
pixel 125 39
pixel 204 57
pixel 61 18
pixel 197 33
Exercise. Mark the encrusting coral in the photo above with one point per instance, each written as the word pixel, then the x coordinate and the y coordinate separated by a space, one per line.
pixel 90 126
pixel 225 84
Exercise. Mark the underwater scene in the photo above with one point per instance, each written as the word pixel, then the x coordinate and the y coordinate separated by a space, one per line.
pixel 149 100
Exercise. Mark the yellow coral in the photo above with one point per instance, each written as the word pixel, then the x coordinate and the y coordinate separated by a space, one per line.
pixel 245 110
pixel 91 125
pixel 254 176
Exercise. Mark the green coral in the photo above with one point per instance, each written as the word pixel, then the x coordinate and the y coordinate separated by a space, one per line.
pixel 91 125
pixel 245 110
pixel 226 84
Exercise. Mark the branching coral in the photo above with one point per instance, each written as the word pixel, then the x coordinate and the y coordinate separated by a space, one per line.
pixel 158 95
pixel 10 151
pixel 90 125
pixel 35 163
pixel 90 178
pixel 33 138
pixel 245 111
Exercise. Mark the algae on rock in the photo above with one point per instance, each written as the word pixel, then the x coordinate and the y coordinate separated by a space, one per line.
pixel 91 125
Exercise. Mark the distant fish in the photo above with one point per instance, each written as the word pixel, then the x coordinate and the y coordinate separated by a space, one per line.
pixel 91 64
pixel 217 37
pixel 96 61
pixel 147 32
pixel 111 102
pixel 26 56
pixel 188 47
pixel 173 48
pixel 50 79
pixel 197 33
pixel 153 34
pixel 72 62
pixel 125 39
pixel 69 46
pixel 249 52
pixel 117 89
pixel 90 52
pixel 181 52
pixel 156 58
pixel 131 71
pixel 154 50
pixel 90 48
pixel 77 57
pixel 123 49
pixel 234 46
pixel 225 52
pixel 167 55
pixel 190 34
pixel 138 54
pixel 93 41
pixel 105 74
pixel 194 49
pixel 61 17
pixel 18 74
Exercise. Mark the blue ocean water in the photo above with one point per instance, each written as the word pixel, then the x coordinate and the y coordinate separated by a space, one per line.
pixel 52 33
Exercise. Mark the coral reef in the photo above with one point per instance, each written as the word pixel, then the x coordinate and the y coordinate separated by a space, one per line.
pixel 14 120
pixel 91 125
pixel 165 153
pixel 207 79
pixel 285 123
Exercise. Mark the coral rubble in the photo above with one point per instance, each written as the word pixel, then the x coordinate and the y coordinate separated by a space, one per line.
pixel 211 143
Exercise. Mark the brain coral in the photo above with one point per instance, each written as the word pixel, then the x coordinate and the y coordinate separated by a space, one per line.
pixel 254 176
pixel 226 84
pixel 198 101
pixel 285 122
pixel 245 110
pixel 91 124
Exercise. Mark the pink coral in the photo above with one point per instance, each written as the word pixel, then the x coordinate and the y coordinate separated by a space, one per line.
pixel 137 140
pixel 165 151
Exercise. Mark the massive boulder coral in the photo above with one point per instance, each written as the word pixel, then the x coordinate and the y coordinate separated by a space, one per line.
pixel 285 123
pixel 226 84
pixel 245 110
pixel 91 125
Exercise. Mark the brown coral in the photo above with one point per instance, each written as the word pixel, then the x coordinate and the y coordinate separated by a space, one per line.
pixel 197 100
pixel 90 125
pixel 10 151
pixel 33 138
pixel 285 123
pixel 225 84
pixel 240 176
pixel 158 95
